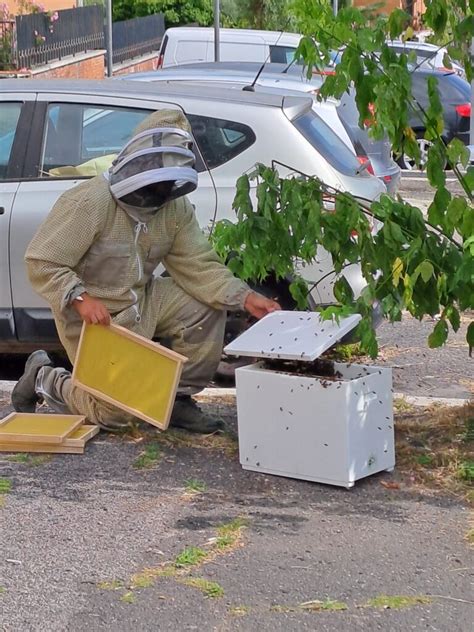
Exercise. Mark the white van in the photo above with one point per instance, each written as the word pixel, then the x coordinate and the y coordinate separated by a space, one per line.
pixel 189 44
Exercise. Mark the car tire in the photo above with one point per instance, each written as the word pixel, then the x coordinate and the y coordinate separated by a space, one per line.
pixel 407 163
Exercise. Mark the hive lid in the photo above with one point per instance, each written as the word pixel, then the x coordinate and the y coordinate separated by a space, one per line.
pixel 289 335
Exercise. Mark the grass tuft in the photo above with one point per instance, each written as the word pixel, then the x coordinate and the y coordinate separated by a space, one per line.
pixel 397 602
pixel 141 580
pixel 30 459
pixel 148 458
pixel 5 485
pixel 193 485
pixel 239 611
pixel 191 556
pixel 212 590
pixel 230 533
pixel 128 597
pixel 114 584
pixel 21 457
pixel 327 604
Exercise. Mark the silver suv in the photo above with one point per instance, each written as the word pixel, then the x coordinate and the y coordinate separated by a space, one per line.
pixel 53 134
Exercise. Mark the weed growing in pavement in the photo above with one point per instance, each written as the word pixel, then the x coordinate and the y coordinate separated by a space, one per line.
pixel 148 458
pixel 239 611
pixel 147 577
pixel 397 602
pixel 2 590
pixel 229 534
pixel 191 556
pixel 210 589
pixel 22 457
pixel 327 604
pixel 195 486
pixel 114 584
pixel 5 485
pixel 30 459
pixel 128 597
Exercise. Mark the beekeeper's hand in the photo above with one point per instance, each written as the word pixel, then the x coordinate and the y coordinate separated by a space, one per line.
pixel 259 306
pixel 91 310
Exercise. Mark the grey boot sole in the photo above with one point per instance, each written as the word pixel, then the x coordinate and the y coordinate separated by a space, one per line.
pixel 24 396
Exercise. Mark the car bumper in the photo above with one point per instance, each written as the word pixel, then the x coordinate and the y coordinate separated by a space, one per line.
pixel 392 181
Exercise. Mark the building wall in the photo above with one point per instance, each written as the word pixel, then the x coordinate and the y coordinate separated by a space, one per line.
pixel 87 66
pixel 389 5
pixel 142 65
pixel 49 5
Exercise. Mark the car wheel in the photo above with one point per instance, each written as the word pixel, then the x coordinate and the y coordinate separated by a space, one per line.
pixel 408 163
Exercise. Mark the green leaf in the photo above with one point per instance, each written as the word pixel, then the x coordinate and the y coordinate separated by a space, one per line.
pixel 457 152
pixel 299 291
pixel 470 337
pixel 426 270
pixel 368 340
pixel 397 269
pixel 439 334
pixel 456 209
pixel 469 178
pixel 397 22
pixel 343 291
pixel 452 314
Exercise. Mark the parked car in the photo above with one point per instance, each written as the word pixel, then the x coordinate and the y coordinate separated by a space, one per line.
pixel 342 117
pixel 56 133
pixel 455 95
pixel 428 56
pixel 184 45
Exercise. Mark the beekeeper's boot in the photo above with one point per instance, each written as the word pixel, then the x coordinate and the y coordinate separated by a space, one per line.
pixel 24 396
pixel 189 416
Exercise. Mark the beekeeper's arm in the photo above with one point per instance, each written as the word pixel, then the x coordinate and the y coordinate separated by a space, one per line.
pixel 59 244
pixel 196 267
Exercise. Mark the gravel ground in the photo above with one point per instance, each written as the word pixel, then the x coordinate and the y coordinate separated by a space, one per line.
pixel 419 370
pixel 74 522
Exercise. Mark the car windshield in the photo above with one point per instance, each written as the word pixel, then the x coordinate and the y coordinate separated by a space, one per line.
pixel 327 143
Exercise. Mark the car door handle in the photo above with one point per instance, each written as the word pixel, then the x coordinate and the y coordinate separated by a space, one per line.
pixel 2 210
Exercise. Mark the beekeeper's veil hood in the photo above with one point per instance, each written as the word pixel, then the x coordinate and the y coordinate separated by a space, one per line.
pixel 156 165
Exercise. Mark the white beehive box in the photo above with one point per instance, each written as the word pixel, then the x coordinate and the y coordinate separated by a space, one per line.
pixel 332 430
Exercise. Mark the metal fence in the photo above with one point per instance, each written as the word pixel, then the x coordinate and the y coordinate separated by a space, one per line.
pixel 136 37
pixel 45 37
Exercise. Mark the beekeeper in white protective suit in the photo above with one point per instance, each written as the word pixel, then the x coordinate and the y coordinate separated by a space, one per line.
pixel 93 260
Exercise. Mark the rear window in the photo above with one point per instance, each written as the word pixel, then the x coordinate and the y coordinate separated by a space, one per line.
pixel 220 140
pixel 282 54
pixel 327 143
pixel 452 88
pixel 457 87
